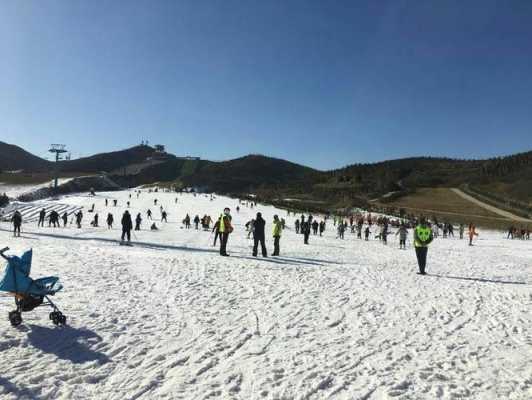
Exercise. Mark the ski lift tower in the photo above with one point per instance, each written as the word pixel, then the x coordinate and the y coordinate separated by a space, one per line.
pixel 58 149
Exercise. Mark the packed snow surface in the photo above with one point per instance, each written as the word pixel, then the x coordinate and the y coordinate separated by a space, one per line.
pixel 15 191
pixel 338 319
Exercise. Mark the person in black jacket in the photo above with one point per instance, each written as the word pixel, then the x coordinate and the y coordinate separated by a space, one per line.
pixel 138 221
pixel 258 236
pixel 17 222
pixel 110 220
pixel 127 225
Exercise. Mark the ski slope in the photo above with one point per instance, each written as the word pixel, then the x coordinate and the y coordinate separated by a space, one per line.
pixel 338 319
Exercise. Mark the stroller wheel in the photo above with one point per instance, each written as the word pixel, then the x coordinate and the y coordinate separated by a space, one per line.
pixel 15 318
pixel 58 318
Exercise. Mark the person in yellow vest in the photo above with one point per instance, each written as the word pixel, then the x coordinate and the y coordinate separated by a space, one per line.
pixel 277 230
pixel 225 228
pixel 422 238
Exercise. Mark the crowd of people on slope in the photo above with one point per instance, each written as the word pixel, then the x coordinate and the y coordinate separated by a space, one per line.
pixel 360 223
pixel 518 233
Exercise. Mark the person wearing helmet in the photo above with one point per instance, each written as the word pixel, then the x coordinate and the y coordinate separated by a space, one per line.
pixel 422 238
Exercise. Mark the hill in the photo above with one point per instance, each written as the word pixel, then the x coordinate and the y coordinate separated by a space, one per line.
pixel 13 158
pixel 251 173
pixel 505 182
pixel 107 162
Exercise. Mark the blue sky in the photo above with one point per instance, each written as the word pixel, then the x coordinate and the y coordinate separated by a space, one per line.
pixel 322 83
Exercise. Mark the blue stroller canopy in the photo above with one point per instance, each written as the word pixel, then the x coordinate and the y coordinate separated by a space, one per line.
pixel 17 278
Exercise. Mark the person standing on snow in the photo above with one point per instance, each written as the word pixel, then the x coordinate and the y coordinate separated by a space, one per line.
pixel 110 220
pixel 138 221
pixel 42 215
pixel 225 229
pixel 65 219
pixel 196 221
pixel 472 233
pixel 17 222
pixel 277 230
pixel 259 236
pixel 127 225
pixel 402 232
pixel 79 218
pixel 422 237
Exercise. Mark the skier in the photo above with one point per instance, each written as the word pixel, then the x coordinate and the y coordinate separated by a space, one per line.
pixel 472 233
pixel 422 237
pixel 106 202
pixel 127 225
pixel 138 221
pixel 115 201
pixel 17 222
pixel 187 221
pixel 196 221
pixel 225 229
pixel 65 219
pixel 250 226
pixel 79 218
pixel 297 226
pixel 95 220
pixel 42 215
pixel 315 226
pixel 277 230
pixel 110 220
pixel 305 227
pixel 322 227
pixel 366 233
pixel 258 235
pixel 149 213
pixel 164 215
pixel 340 230
pixel 402 232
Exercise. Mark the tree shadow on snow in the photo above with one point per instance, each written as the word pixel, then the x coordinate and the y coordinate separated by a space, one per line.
pixel 67 343
pixel 483 280
pixel 20 392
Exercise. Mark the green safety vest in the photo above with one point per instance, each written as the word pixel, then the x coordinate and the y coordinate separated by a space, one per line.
pixel 422 236
pixel 221 227
pixel 277 228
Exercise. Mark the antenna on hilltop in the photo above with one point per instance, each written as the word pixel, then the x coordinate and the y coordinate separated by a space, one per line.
pixel 58 149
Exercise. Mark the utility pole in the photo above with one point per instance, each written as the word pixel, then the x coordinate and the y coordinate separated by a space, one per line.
pixel 58 149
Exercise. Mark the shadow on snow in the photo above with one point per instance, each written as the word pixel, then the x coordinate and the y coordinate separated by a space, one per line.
pixel 483 280
pixel 67 343
pixel 19 391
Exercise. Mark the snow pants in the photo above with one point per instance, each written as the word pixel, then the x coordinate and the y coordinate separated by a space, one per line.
pixel 256 241
pixel 224 236
pixel 421 254
pixel 126 233
pixel 276 240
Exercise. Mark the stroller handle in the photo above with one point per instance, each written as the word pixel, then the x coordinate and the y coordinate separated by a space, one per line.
pixel 3 251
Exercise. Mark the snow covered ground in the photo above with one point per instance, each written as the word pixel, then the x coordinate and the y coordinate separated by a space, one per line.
pixel 338 319
pixel 15 191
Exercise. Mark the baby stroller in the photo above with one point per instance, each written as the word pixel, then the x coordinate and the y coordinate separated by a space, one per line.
pixel 29 293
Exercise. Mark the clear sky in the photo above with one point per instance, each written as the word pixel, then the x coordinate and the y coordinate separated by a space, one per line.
pixel 322 83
